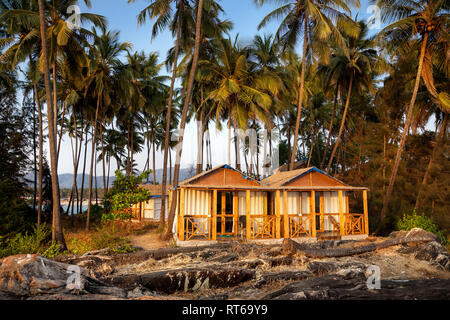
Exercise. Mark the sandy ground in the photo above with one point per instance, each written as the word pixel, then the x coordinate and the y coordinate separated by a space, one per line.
pixel 149 241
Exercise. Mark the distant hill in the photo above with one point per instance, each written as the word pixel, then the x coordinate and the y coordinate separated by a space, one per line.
pixel 66 179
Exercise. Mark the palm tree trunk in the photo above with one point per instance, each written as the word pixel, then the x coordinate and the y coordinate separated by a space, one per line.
pixel 237 144
pixel 84 170
pixel 41 152
pixel 132 146
pixel 300 100
pixel 109 172
pixel 426 177
pixel 229 139
pixel 92 165
pixel 341 129
pixel 168 121
pixel 265 153
pixel 330 130
pixel 154 160
pixel 401 147
pixel 184 113
pixel 75 164
pixel 34 158
pixel 200 131
pixel 57 232
pixel 61 132
pixel 103 155
pixel 55 99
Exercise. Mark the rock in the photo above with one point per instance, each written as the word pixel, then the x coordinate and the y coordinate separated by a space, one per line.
pixel 320 268
pixel 24 276
pixel 414 233
pixel 280 261
pixel 274 252
pixel 337 287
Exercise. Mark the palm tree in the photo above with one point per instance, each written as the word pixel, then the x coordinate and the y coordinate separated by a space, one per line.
pixel 106 72
pixel 312 19
pixel 236 92
pixel 57 232
pixel 421 26
pixel 162 11
pixel 353 66
pixel 187 99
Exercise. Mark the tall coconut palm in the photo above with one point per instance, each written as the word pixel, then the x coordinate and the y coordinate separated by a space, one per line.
pixel 163 12
pixel 310 18
pixel 421 26
pixel 353 66
pixel 187 100
pixel 57 232
pixel 237 94
pixel 105 72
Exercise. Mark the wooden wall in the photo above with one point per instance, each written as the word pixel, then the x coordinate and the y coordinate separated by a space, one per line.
pixel 224 177
pixel 314 179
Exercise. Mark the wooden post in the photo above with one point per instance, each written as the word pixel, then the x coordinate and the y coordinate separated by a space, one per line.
pixel 313 214
pixel 247 212
pixel 214 216
pixel 277 213
pixel 300 205
pixel 286 216
pixel 366 213
pixel 236 212
pixel 181 216
pixel 322 212
pixel 224 208
pixel 341 214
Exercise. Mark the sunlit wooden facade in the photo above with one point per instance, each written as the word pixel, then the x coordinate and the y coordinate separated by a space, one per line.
pixel 224 203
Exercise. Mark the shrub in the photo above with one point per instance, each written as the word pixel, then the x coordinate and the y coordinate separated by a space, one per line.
pixel 123 195
pixel 37 242
pixel 408 222
pixel 101 239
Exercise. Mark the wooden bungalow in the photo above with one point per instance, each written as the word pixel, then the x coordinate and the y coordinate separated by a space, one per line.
pixel 151 209
pixel 224 203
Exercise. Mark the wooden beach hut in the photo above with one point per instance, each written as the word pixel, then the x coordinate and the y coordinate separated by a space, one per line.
pixel 151 209
pixel 224 203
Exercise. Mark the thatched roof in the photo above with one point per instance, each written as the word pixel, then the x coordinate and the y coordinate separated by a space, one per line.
pixel 280 179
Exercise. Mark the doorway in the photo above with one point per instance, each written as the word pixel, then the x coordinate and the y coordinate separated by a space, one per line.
pixel 225 217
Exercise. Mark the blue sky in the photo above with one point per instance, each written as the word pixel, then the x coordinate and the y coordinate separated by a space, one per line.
pixel 121 16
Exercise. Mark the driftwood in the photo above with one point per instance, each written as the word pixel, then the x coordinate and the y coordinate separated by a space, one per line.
pixel 187 280
pixel 337 287
pixel 136 257
pixel 282 276
pixel 293 247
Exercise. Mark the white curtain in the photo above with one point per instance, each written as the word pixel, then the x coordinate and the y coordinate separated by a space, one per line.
pixel 256 203
pixel 331 205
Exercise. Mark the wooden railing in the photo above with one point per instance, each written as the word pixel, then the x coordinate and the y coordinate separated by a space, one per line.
pixel 300 226
pixel 197 227
pixel 262 227
pixel 354 224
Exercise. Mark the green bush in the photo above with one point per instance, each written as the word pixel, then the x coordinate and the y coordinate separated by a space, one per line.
pixel 411 221
pixel 124 193
pixel 37 242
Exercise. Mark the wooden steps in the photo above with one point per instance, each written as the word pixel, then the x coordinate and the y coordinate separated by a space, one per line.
pixel 328 236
